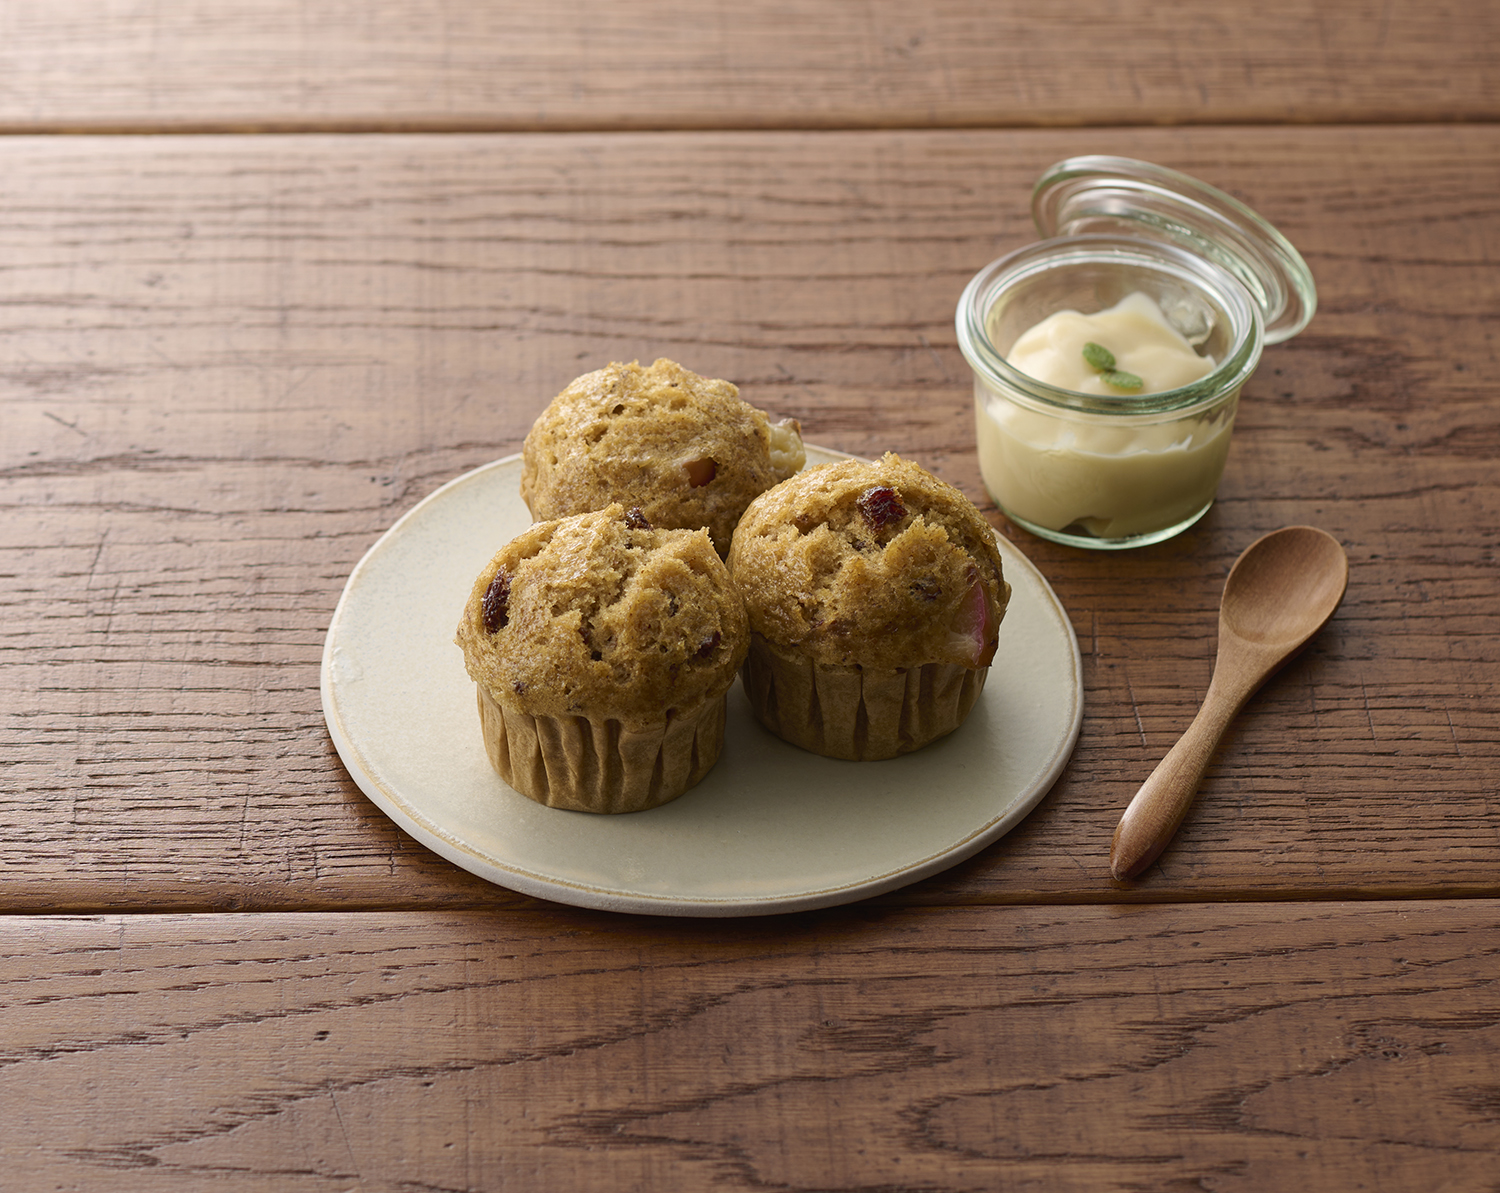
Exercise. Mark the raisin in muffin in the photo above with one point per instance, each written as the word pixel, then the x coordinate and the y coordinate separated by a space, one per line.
pixel 683 449
pixel 602 650
pixel 875 593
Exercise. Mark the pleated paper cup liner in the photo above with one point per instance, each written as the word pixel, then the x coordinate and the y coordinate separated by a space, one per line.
pixel 853 712
pixel 585 765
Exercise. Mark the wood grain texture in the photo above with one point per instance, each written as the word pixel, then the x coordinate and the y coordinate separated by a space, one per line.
pixel 1331 1047
pixel 228 364
pixel 451 64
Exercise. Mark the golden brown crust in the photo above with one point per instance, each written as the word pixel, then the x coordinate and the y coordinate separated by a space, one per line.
pixel 600 616
pixel 878 564
pixel 684 449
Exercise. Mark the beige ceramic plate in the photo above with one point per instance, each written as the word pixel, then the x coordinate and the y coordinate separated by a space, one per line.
pixel 771 829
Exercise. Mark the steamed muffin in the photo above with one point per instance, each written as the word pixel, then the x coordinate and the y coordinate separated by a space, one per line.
pixel 683 449
pixel 601 650
pixel 875 593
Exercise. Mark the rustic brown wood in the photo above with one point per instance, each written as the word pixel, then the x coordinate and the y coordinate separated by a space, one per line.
pixel 1249 1047
pixel 298 64
pixel 230 363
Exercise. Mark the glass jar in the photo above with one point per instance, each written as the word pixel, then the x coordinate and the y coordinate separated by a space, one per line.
pixel 1122 469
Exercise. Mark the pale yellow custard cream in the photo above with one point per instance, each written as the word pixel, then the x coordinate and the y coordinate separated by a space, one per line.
pixel 1111 476
pixel 1134 330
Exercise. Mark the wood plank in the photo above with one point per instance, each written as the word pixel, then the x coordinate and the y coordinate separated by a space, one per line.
pixel 1331 1046
pixel 426 64
pixel 229 364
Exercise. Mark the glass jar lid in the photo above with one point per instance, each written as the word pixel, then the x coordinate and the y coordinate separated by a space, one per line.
pixel 1099 193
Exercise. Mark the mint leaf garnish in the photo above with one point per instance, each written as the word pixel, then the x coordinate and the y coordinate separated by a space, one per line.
pixel 1122 380
pixel 1098 357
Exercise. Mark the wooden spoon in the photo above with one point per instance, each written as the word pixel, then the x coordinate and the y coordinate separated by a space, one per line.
pixel 1278 595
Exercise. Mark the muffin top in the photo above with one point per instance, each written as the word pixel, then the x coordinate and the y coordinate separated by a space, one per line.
pixel 599 615
pixel 879 564
pixel 683 449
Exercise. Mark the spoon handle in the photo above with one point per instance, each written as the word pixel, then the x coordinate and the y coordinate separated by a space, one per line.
pixel 1152 817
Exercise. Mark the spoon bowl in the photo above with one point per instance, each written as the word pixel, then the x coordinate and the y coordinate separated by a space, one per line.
pixel 1280 592
pixel 1284 587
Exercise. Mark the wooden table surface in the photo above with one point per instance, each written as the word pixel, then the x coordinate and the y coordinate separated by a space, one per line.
pixel 272 272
